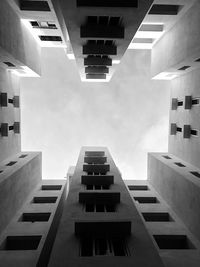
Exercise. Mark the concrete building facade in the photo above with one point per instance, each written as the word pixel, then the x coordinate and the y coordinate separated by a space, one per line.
pixel 146 223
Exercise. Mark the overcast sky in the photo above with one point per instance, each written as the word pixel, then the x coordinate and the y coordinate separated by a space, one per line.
pixel 60 114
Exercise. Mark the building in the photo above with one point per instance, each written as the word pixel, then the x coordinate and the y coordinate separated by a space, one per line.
pixel 103 221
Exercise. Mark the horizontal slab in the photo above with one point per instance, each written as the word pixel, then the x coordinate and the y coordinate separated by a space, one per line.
pixel 101 31
pixel 97 61
pixel 97 179
pixel 105 198
pixel 97 49
pixel 107 3
pixel 96 76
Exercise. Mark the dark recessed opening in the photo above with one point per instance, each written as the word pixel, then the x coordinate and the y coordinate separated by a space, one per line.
pixel 103 246
pixel 166 157
pixel 197 174
pixel 97 187
pixel 197 60
pixel 42 200
pixel 21 243
pixel 195 101
pixel 35 217
pixel 138 187
pixel 194 132
pixel 9 64
pixel 51 187
pixel 179 129
pixel 11 163
pixel 164 9
pixel 107 3
pixel 34 23
pixel 23 156
pixel 146 199
pixel 103 20
pixel 114 21
pixel 180 103
pixel 34 5
pixel 105 187
pixel 156 216
pixel 94 153
pixel 184 68
pixel 100 208
pixel 50 38
pixel 173 242
pixel 1 171
pixel 89 187
pixel 11 128
pixel 179 164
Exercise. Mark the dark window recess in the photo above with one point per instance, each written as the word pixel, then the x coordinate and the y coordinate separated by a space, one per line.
pixel 94 153
pixel 21 242
pixel 138 187
pixel 98 207
pixel 43 200
pixel 166 157
pixel 179 164
pixel 173 242
pixel 197 174
pixel 103 246
pixel 50 38
pixel 35 217
pixel 156 216
pixel 194 132
pixel 195 101
pixel 9 64
pixel 96 173
pixel 164 10
pixel 51 187
pixel 23 156
pixel 146 199
pixel 34 24
pixel 184 68
pixel 104 20
pixel 34 5
pixel 180 103
pixel 11 163
pixel 1 171
pixel 179 129
pixel 11 128
pixel 43 24
pixel 197 60
pixel 107 3
pixel 97 187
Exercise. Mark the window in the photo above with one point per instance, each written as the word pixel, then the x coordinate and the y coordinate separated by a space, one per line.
pixel 50 38
pixel 108 3
pixel 35 217
pixel 1 171
pixel 9 64
pixel 138 187
pixel 197 174
pixel 94 153
pixel 97 187
pixel 103 246
pixel 184 68
pixel 11 163
pixel 179 129
pixel 43 25
pixel 156 216
pixel 96 173
pixel 100 207
pixel 197 60
pixel 180 103
pixel 51 187
pixel 179 164
pixel 23 156
pixel 173 242
pixel 43 200
pixel 21 242
pixel 144 200
pixel 195 101
pixel 166 157
pixel 194 132
pixel 34 5
pixel 164 10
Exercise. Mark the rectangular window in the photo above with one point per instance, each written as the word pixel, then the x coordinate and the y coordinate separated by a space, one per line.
pixel 173 242
pixel 179 164
pixel 100 207
pixel 94 153
pixel 21 242
pixel 197 174
pixel 195 101
pixel 34 5
pixel 51 187
pixel 156 216
pixel 137 187
pixel 97 187
pixel 11 163
pixel 49 38
pixel 43 25
pixel 107 3
pixel 9 64
pixel 164 9
pixel 197 60
pixel 180 103
pixel 166 157
pixel 35 217
pixel 152 200
pixel 179 129
pixel 184 68
pixel 103 246
pixel 23 156
pixel 43 200
pixel 194 132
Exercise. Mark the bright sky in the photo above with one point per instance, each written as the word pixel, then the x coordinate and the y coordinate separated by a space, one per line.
pixel 60 114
